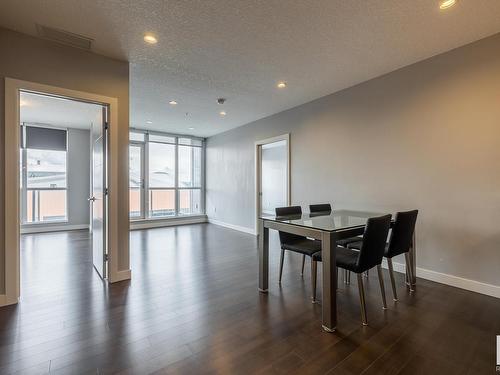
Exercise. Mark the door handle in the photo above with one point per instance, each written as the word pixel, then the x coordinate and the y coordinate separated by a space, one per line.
pixel 91 199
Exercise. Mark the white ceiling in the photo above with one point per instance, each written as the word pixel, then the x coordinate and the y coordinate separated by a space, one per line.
pixel 64 113
pixel 239 49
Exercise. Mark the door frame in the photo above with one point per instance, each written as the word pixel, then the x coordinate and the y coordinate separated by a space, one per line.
pixel 13 87
pixel 258 172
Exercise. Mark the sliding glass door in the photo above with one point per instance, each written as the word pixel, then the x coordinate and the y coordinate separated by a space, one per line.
pixel 190 175
pixel 162 176
pixel 136 180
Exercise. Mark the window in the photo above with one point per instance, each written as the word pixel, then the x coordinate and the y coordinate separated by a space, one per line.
pixel 43 175
pixel 172 184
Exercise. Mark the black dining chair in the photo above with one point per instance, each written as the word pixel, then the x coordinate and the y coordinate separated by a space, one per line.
pixel 326 209
pixel 370 255
pixel 400 242
pixel 293 242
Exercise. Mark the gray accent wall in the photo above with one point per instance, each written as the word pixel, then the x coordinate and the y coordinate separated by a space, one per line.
pixel 426 136
pixel 78 176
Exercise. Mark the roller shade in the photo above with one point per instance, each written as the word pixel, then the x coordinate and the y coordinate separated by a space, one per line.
pixel 45 138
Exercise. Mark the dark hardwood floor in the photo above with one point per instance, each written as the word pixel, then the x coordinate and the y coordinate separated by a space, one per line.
pixel 193 308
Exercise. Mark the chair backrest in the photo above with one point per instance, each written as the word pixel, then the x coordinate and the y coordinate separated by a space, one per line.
pixel 374 240
pixel 315 208
pixel 292 211
pixel 288 211
pixel 402 233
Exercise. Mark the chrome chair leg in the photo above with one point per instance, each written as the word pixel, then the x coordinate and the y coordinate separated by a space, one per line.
pixel 393 282
pixel 362 299
pixel 282 258
pixel 314 269
pixel 347 277
pixel 381 282
pixel 303 263
pixel 409 269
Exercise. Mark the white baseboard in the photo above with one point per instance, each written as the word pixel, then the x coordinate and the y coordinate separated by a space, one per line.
pixel 455 281
pixel 120 276
pixel 52 228
pixel 232 226
pixel 157 223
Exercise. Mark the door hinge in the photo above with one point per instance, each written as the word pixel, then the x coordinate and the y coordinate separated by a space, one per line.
pixel 106 125
pixel 106 257
pixel 106 191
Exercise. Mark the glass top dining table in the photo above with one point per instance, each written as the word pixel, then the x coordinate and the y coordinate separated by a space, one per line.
pixel 327 227
pixel 327 221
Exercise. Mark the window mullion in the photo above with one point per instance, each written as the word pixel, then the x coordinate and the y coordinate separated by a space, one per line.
pixel 146 195
pixel 24 190
pixel 177 207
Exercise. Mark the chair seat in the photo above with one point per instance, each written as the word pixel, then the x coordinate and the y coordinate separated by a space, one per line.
pixel 305 246
pixel 346 241
pixel 346 258
pixel 357 246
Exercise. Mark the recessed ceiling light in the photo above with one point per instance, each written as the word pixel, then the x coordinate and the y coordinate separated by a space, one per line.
pixel 445 4
pixel 222 113
pixel 191 128
pixel 172 102
pixel 150 38
pixel 281 84
pixel 149 122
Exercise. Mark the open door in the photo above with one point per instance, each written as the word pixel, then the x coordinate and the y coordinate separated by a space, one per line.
pixel 98 200
pixel 273 190
pixel 272 175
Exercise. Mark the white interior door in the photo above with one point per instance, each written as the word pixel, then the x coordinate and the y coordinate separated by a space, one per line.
pixel 98 198
pixel 274 185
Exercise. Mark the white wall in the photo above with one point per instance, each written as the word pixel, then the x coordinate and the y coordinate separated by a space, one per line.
pixel 426 136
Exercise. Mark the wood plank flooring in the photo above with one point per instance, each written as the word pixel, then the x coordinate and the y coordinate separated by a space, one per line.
pixel 193 308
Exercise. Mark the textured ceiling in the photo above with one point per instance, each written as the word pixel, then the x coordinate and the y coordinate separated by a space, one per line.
pixel 39 109
pixel 240 49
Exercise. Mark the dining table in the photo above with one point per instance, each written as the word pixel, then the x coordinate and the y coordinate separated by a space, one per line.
pixel 327 227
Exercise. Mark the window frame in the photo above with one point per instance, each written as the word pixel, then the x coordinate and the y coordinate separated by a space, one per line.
pixel 145 193
pixel 24 175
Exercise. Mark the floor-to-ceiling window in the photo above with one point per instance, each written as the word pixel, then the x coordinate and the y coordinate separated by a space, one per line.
pixel 166 175
pixel 43 174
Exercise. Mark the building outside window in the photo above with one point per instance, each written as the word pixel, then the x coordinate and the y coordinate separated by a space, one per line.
pixel 166 175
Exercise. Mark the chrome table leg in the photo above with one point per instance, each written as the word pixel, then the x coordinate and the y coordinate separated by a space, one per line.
pixel 329 305
pixel 263 257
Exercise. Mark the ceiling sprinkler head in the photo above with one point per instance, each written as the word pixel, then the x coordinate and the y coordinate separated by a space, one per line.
pixel 221 101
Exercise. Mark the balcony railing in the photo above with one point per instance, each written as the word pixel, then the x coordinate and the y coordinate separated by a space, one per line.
pixel 45 205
